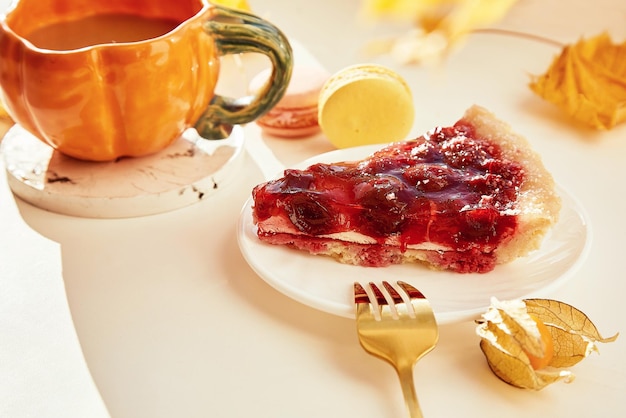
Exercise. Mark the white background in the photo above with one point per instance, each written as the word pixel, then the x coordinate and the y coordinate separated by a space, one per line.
pixel 161 317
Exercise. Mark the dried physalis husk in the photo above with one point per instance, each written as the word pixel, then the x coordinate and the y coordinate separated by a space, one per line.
pixel 529 343
pixel 439 25
pixel 588 81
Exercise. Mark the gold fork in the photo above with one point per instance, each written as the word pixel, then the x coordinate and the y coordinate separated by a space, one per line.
pixel 397 330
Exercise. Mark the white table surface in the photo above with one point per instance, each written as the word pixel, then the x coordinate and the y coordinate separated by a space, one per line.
pixel 160 316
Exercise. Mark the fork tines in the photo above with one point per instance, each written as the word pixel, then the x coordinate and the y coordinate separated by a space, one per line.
pixel 379 299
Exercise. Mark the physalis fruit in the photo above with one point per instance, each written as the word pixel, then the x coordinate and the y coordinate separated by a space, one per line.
pixel 529 343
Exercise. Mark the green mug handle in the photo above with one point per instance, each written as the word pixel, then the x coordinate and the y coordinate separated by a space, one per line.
pixel 236 32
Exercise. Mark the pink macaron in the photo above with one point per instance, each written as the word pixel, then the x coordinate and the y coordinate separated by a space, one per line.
pixel 296 114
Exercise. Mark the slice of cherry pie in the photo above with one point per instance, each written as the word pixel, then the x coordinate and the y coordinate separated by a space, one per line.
pixel 463 198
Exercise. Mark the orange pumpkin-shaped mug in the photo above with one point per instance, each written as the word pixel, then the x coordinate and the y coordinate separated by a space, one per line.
pixel 103 79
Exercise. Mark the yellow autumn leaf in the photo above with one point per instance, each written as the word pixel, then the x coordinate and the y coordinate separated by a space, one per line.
pixel 5 121
pixel 509 334
pixel 440 24
pixel 588 81
pixel 235 4
pixel 3 112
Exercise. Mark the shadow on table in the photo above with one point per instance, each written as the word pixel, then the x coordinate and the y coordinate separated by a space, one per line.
pixel 173 322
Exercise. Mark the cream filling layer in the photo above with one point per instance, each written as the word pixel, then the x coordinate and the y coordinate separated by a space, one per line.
pixel 358 238
pixel 278 225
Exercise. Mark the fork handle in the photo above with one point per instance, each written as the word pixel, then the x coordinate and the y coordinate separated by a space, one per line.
pixel 405 373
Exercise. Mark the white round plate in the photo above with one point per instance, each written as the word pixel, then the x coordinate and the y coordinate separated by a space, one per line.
pixel 327 285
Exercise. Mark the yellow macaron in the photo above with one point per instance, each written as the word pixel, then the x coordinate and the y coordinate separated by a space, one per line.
pixel 365 104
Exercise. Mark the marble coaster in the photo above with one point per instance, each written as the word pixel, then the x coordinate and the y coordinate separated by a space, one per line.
pixel 188 171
